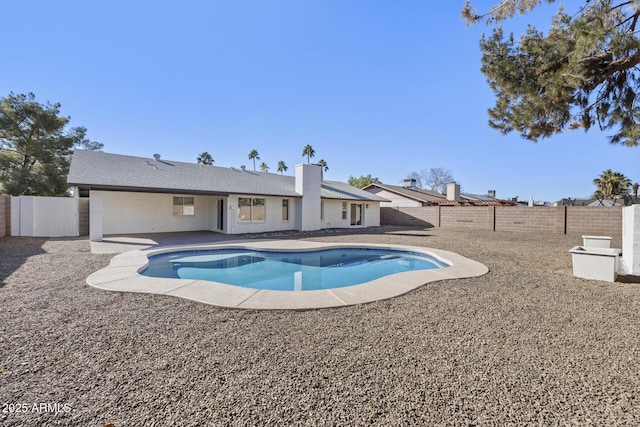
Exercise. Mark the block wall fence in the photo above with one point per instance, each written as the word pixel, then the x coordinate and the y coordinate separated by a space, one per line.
pixel 561 219
pixel 5 215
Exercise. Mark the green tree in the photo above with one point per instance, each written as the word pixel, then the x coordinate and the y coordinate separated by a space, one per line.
pixel 264 167
pixel 36 146
pixel 205 158
pixel 253 155
pixel 309 152
pixel 282 167
pixel 323 164
pixel 582 72
pixel 362 181
pixel 611 185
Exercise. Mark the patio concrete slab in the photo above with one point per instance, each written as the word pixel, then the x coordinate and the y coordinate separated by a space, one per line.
pixel 122 276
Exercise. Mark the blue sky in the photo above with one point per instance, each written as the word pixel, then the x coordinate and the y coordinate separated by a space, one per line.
pixel 376 87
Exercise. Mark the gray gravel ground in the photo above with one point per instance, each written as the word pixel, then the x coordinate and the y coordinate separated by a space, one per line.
pixel 526 344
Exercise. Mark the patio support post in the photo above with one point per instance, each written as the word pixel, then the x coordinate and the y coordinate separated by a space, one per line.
pixel 95 218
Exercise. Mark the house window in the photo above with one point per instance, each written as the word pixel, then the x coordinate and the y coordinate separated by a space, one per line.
pixel 285 209
pixel 183 206
pixel 344 211
pixel 251 209
pixel 322 210
pixel 257 209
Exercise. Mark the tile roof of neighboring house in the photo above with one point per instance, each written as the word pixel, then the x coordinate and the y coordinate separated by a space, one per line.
pixel 98 170
pixel 412 193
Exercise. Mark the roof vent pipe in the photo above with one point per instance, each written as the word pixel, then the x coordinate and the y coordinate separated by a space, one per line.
pixel 243 167
pixel 157 158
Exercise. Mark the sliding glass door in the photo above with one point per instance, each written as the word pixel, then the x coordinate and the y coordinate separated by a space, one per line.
pixel 356 214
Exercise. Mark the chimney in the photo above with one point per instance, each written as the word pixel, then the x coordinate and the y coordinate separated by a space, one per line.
pixel 453 191
pixel 308 183
pixel 491 194
pixel 410 183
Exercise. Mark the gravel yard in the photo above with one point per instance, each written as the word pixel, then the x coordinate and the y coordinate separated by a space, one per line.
pixel 525 344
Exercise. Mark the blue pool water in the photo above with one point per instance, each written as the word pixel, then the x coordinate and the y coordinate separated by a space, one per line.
pixel 288 271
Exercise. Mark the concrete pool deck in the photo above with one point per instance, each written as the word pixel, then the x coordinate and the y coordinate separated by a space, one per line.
pixel 122 276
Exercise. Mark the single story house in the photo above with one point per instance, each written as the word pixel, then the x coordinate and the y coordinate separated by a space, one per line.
pixel 409 195
pixel 143 195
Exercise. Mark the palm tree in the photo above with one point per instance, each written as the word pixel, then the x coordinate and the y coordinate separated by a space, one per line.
pixel 323 164
pixel 253 155
pixel 612 185
pixel 308 151
pixel 282 167
pixel 264 167
pixel 205 158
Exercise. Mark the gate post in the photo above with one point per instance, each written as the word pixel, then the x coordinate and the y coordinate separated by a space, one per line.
pixel 630 263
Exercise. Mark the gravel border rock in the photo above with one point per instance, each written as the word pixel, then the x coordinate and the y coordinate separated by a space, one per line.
pixel 525 344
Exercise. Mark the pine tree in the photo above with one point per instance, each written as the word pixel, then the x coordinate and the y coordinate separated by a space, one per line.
pixel 582 72
pixel 36 146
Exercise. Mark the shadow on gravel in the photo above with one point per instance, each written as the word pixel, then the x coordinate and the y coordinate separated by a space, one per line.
pixel 394 230
pixel 160 239
pixel 417 233
pixel 628 279
pixel 14 251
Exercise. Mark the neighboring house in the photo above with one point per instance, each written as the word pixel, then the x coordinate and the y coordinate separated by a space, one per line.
pixel 409 195
pixel 406 196
pixel 141 195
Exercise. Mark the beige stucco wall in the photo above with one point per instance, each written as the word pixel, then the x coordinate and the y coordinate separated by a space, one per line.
pixel 394 199
pixel 128 212
pixel 333 214
pixel 273 216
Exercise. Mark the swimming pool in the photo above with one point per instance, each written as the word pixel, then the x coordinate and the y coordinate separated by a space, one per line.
pixel 123 275
pixel 288 271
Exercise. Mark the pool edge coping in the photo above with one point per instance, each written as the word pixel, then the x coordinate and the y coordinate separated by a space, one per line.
pixel 121 275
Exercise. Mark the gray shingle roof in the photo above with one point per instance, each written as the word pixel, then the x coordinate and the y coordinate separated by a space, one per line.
pixel 98 170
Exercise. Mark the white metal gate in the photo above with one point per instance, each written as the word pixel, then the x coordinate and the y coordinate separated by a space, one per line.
pixel 44 216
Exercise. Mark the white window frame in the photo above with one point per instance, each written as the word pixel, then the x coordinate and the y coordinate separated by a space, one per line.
pixel 252 213
pixel 180 208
